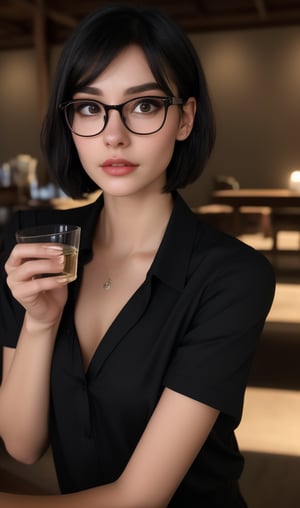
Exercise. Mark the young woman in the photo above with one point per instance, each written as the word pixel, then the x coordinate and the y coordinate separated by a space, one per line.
pixel 135 373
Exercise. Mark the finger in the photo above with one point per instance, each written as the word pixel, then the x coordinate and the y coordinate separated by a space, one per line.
pixel 21 252
pixel 34 268
pixel 29 292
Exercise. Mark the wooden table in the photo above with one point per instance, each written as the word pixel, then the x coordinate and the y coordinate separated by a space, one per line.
pixel 274 198
pixel 283 203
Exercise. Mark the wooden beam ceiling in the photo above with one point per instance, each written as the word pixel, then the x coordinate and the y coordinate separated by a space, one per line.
pixel 261 8
pixel 42 56
pixel 61 16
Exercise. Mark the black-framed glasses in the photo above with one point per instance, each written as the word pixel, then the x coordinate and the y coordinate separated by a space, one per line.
pixel 141 115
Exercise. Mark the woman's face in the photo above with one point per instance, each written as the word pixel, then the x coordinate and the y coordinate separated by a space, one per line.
pixel 120 162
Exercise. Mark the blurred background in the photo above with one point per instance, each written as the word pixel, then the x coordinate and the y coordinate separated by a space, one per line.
pixel 250 52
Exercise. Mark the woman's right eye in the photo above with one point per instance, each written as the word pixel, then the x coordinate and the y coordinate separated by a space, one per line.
pixel 87 108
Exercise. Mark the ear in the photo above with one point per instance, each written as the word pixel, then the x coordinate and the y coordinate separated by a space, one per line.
pixel 187 119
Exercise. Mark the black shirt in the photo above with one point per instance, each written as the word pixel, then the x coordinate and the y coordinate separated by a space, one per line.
pixel 193 326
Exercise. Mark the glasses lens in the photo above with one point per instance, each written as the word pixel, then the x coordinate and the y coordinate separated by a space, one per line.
pixel 145 114
pixel 85 118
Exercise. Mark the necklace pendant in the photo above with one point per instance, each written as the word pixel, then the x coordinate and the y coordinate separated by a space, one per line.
pixel 107 284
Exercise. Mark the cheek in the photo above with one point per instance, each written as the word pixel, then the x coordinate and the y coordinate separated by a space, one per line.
pixel 164 146
pixel 84 149
pixel 79 144
pixel 166 153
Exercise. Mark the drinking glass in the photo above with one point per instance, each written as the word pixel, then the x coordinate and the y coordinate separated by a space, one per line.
pixel 65 235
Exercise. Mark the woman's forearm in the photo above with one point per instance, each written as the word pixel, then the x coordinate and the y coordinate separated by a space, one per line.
pixel 24 394
pixel 111 495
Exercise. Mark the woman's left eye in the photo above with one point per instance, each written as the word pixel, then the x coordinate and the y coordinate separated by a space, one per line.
pixel 147 106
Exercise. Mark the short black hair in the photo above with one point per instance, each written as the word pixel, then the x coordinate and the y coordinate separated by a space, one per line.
pixel 95 42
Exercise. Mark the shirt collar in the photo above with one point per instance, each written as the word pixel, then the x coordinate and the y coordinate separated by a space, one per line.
pixel 88 218
pixel 173 256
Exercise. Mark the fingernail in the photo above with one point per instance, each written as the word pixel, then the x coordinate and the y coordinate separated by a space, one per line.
pixel 55 248
pixel 61 280
pixel 61 260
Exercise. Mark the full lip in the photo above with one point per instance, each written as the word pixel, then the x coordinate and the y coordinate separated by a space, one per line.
pixel 118 166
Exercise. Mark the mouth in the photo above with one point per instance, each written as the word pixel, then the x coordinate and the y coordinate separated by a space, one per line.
pixel 118 167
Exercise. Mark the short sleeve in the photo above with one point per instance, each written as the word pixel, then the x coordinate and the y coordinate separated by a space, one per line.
pixel 212 361
pixel 11 312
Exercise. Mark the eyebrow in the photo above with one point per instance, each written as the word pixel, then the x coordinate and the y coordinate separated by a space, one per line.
pixel 145 87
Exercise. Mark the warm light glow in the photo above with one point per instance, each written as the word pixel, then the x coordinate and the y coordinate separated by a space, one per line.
pixel 295 181
pixel 295 176
pixel 269 424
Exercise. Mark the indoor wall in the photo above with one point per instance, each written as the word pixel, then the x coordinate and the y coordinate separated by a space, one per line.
pixel 254 81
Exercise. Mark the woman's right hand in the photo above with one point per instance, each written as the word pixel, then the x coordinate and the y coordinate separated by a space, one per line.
pixel 43 297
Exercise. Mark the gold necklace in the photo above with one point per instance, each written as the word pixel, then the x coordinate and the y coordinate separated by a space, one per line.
pixel 107 284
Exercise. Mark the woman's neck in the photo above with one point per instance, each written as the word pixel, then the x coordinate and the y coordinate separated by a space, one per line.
pixel 133 224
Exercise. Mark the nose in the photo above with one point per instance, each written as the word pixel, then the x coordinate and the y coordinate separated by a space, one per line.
pixel 115 132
